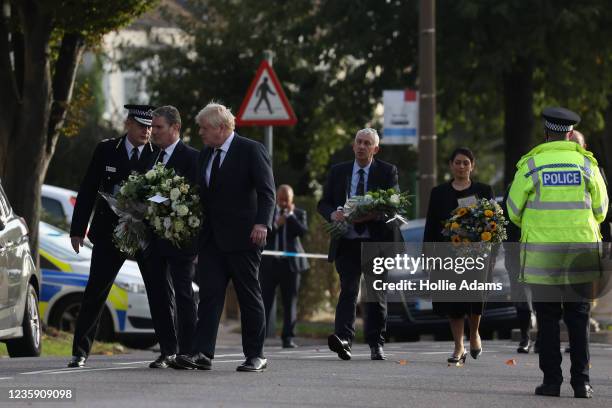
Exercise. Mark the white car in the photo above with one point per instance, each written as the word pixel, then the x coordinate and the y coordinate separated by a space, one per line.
pixel 58 202
pixel 126 316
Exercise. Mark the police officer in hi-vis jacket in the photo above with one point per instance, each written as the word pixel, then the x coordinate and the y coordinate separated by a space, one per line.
pixel 558 198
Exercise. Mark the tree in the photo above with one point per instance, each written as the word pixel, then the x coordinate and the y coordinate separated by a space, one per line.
pixel 41 44
pixel 507 60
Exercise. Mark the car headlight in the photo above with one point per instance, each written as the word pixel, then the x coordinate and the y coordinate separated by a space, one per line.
pixel 132 287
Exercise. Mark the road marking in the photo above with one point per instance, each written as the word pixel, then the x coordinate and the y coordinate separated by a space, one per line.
pixel 51 371
pixel 87 370
pixel 6 378
pixel 228 361
pixel 134 362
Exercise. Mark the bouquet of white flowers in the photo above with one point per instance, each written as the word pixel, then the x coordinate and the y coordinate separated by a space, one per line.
pixel 388 205
pixel 159 198
pixel 174 211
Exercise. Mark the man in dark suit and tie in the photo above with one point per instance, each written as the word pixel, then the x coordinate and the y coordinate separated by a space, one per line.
pixel 112 162
pixel 237 193
pixel 346 180
pixel 289 226
pixel 171 269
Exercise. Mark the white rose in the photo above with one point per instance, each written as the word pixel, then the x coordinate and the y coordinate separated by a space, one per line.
pixel 194 222
pixel 167 235
pixel 167 222
pixel 182 210
pixel 394 199
pixel 368 199
pixel 175 193
pixel 150 175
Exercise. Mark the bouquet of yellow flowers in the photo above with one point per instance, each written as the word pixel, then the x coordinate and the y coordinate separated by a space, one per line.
pixel 483 221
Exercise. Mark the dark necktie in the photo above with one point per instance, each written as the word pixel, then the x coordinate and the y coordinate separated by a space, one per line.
pixel 160 158
pixel 134 159
pixel 360 227
pixel 215 168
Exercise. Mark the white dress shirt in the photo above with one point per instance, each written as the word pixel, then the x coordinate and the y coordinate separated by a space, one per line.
pixel 224 148
pixel 169 150
pixel 351 233
pixel 129 147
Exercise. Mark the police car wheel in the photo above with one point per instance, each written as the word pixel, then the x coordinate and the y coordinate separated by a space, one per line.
pixel 64 316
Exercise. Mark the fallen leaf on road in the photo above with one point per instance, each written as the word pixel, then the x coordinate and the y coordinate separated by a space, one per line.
pixel 511 362
pixel 402 362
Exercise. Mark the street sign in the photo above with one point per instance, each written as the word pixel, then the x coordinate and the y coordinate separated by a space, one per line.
pixel 401 117
pixel 265 103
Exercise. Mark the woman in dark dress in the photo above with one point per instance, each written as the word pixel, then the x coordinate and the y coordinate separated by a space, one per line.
pixel 442 201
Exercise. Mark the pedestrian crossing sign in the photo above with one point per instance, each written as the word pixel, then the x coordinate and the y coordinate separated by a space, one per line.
pixel 265 103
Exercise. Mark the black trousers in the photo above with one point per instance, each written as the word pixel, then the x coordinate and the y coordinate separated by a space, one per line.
pixel 576 318
pixel 348 265
pixel 106 260
pixel 172 303
pixel 215 269
pixel 276 272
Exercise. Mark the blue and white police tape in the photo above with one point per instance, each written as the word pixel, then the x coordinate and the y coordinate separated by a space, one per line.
pixel 294 254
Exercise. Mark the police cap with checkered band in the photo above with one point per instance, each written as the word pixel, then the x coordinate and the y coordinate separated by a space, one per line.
pixel 559 120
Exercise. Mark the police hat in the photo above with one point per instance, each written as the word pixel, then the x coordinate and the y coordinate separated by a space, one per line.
pixel 559 119
pixel 141 113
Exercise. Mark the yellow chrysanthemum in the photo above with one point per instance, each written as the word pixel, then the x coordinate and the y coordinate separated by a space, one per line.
pixel 462 211
pixel 485 236
pixel 488 213
pixel 455 238
pixel 454 226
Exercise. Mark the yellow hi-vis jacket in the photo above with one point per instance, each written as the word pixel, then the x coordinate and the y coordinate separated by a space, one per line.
pixel 558 198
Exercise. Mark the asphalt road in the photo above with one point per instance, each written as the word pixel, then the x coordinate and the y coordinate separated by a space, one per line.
pixel 415 375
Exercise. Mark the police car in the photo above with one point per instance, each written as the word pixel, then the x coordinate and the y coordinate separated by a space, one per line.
pixel 126 317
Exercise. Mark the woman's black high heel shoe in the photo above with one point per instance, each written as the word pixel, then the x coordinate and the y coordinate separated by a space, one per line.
pixel 475 353
pixel 455 359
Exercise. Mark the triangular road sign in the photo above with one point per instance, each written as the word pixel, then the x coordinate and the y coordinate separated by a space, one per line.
pixel 265 103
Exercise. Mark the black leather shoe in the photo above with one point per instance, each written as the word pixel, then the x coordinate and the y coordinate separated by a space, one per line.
pixel 583 391
pixel 337 345
pixel 253 365
pixel 162 361
pixel 77 361
pixel 524 346
pixel 377 353
pixel 549 390
pixel 289 343
pixel 196 361
pixel 475 353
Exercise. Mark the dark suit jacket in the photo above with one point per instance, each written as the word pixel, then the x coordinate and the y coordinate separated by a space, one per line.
pixel 184 161
pixel 337 188
pixel 296 226
pixel 108 167
pixel 243 195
